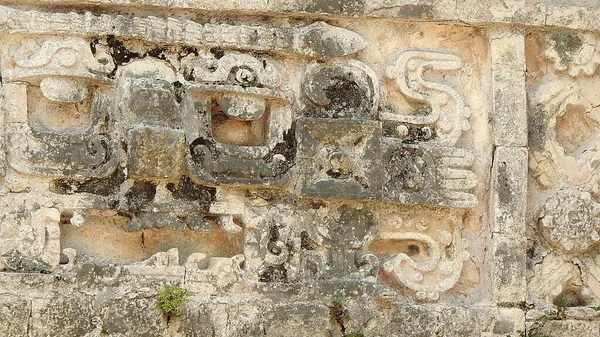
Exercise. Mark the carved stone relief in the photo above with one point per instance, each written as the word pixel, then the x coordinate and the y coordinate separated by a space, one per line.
pixel 564 187
pixel 240 155
pixel 163 141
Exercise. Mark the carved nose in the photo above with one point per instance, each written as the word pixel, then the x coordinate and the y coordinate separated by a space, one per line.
pixel 155 142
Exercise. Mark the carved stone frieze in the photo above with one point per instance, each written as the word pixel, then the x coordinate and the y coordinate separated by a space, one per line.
pixel 240 155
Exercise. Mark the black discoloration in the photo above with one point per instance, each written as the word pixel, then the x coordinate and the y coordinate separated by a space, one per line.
pixel 306 242
pixel 272 274
pixel 140 194
pixel 505 192
pixel 158 53
pixel 99 186
pixel 217 52
pixel 120 54
pixel 17 262
pixel 343 94
pixel 537 128
pixel 179 91
pixel 286 148
pixel 198 155
pixel 339 92
pixel 406 166
pixel 567 45
pixel 186 189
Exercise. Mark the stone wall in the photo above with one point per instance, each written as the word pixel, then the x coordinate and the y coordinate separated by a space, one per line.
pixel 300 168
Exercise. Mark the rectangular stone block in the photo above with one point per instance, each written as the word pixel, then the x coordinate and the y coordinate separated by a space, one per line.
pixel 15 102
pixel 509 191
pixel 14 313
pixel 340 158
pixel 509 269
pixel 61 316
pixel 510 11
pixel 507 211
pixel 507 49
pixel 156 152
pixel 570 328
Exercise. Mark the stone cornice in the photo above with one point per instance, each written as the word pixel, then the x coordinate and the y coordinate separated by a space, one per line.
pixel 577 14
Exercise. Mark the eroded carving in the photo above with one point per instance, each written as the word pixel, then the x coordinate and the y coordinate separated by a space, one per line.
pixel 578 54
pixel 570 221
pixel 445 113
pixel 182 141
pixel 433 261
pixel 563 140
pixel 241 116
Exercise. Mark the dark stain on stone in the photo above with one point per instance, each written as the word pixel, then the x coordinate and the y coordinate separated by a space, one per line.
pixel 306 242
pixel 537 126
pixel 121 55
pixel 419 11
pixel 272 274
pixel 140 194
pixel 158 53
pixel 343 93
pixel 198 155
pixel 335 6
pixel 217 52
pixel 566 45
pixel 16 262
pixel 339 95
pixel 286 148
pixel 406 167
pixel 186 189
pixel 505 192
pixel 179 91
pixel 99 186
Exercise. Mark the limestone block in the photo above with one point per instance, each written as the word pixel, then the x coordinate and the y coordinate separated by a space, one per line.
pixel 509 192
pixel 508 202
pixel 132 317
pixel 13 316
pixel 508 11
pixel 508 85
pixel 156 152
pixel 571 328
pixel 65 316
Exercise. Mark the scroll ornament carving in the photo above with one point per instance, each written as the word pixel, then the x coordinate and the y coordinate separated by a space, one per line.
pixel 411 159
pixel 448 115
pixel 435 274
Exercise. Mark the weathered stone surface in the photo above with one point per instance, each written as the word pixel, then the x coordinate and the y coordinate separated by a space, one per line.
pixel 509 198
pixel 65 316
pixel 314 168
pixel 507 49
pixel 132 317
pixel 14 313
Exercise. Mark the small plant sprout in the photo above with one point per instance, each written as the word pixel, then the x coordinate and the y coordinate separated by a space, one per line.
pixel 170 298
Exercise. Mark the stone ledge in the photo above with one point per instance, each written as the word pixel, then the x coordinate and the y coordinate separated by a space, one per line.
pixel 579 14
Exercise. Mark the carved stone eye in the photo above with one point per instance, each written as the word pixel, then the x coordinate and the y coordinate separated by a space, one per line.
pixel 244 75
